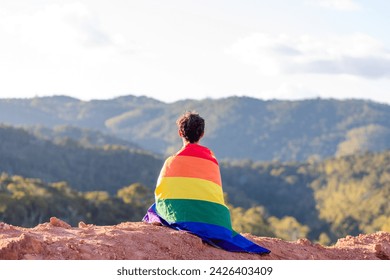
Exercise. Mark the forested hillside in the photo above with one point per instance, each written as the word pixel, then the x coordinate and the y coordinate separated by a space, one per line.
pixel 107 167
pixel 334 197
pixel 263 130
pixel 28 202
pixel 352 193
pixel 83 136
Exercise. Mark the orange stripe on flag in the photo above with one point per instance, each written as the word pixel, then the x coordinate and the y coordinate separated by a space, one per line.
pixel 193 167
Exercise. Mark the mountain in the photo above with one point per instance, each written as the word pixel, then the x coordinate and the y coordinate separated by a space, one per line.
pixel 236 127
pixel 108 167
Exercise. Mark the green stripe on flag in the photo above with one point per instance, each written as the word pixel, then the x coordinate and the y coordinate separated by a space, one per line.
pixel 189 210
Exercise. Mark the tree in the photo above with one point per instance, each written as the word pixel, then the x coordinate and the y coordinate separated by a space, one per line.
pixel 251 221
pixel 136 194
pixel 288 228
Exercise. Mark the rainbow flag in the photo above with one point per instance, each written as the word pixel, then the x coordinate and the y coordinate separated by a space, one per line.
pixel 189 197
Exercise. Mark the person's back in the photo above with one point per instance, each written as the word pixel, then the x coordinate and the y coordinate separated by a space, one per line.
pixel 189 193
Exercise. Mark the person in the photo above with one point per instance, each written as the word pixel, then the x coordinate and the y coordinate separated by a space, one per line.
pixel 189 195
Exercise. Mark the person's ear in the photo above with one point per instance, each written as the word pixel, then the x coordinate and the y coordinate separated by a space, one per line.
pixel 180 133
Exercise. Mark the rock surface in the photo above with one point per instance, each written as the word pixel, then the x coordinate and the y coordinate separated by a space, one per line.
pixel 57 240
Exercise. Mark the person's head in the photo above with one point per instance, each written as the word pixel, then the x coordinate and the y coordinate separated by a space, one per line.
pixel 191 127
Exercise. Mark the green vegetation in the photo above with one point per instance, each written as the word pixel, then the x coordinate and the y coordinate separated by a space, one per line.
pixel 28 202
pixel 91 168
pixel 352 193
pixel 322 201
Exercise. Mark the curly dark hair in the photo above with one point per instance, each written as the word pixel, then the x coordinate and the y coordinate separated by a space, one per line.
pixel 191 126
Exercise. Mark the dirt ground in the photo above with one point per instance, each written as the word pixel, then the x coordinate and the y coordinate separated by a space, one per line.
pixel 56 240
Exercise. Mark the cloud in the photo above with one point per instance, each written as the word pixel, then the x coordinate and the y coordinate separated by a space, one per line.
pixel 356 55
pixel 63 48
pixel 60 29
pixel 369 67
pixel 342 5
pixel 87 27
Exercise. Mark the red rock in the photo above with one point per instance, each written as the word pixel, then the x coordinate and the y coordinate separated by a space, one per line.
pixel 140 241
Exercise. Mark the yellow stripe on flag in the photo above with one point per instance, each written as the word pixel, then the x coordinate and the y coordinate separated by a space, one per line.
pixel 189 188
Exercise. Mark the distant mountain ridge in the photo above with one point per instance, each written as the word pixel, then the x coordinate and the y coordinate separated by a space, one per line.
pixel 236 127
pixel 83 136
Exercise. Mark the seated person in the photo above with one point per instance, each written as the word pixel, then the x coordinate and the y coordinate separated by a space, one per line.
pixel 189 193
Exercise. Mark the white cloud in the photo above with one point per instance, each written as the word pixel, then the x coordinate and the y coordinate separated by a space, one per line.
pixel 343 5
pixel 63 49
pixel 356 55
pixel 60 29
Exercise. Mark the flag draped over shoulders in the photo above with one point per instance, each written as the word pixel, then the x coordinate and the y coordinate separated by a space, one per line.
pixel 189 197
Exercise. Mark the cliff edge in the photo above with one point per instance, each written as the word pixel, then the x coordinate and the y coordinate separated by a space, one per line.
pixel 56 240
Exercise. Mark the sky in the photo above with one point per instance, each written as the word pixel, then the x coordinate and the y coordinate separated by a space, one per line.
pixel 178 49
